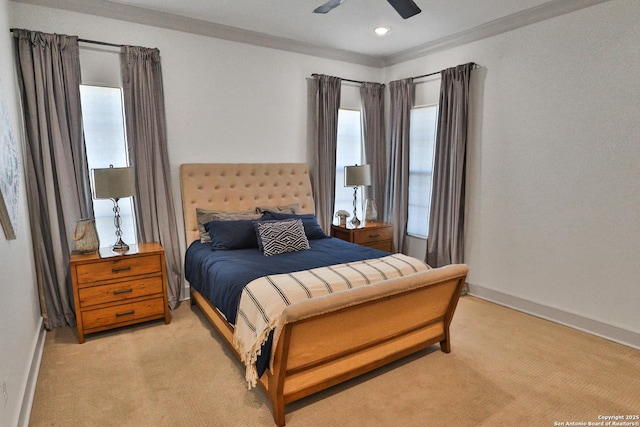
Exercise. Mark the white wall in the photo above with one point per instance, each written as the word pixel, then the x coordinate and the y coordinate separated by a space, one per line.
pixel 20 320
pixel 554 167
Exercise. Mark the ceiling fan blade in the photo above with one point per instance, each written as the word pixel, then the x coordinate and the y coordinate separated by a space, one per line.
pixel 406 8
pixel 331 4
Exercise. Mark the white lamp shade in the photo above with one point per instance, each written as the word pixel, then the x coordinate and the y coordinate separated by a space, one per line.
pixel 355 176
pixel 113 183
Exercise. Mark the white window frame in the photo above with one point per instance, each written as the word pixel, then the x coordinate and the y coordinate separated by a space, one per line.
pixel 103 208
pixel 413 231
pixel 341 203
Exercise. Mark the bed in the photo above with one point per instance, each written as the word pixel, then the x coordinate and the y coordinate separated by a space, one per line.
pixel 392 317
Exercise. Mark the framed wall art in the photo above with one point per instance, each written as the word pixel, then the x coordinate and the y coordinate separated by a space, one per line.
pixel 9 173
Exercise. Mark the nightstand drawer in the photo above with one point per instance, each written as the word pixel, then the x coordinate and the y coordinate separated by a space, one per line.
pixel 120 291
pixel 118 267
pixel 378 235
pixel 386 246
pixel 365 235
pixel 131 312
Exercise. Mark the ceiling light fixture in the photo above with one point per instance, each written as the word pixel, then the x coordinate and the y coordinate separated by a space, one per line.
pixel 381 31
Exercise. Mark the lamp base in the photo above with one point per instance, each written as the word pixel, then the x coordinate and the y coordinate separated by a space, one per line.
pixel 355 221
pixel 120 246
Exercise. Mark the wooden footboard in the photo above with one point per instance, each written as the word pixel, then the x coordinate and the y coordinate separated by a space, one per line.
pixel 316 351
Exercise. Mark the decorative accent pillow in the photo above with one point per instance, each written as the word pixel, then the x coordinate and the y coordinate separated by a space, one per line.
pixel 311 227
pixel 204 216
pixel 292 208
pixel 227 235
pixel 279 237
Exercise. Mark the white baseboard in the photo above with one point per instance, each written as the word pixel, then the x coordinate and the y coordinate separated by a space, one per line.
pixel 603 330
pixel 32 378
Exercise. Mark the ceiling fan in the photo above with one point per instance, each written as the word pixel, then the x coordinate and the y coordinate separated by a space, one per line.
pixel 406 8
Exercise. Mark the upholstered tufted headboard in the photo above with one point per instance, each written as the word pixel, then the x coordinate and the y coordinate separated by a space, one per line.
pixel 241 186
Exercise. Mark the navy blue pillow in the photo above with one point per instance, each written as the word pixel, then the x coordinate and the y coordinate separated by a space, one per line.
pixel 311 227
pixel 227 235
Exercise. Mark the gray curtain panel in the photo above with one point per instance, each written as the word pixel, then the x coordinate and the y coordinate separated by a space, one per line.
pixel 445 244
pixel 147 140
pixel 326 93
pixel 397 197
pixel 375 147
pixel 57 176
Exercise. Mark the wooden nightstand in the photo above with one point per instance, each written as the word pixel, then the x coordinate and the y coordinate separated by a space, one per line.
pixel 378 235
pixel 113 290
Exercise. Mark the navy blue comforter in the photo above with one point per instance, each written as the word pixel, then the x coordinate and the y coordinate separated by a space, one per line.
pixel 221 275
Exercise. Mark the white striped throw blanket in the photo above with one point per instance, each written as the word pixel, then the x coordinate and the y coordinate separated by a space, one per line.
pixel 264 299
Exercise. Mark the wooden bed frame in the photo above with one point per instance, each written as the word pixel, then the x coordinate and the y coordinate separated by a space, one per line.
pixel 388 320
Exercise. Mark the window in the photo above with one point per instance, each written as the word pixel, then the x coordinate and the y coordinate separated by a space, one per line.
pixel 103 122
pixel 421 147
pixel 348 153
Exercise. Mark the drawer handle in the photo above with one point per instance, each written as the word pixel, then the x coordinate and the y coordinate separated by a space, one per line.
pixel 118 270
pixel 124 291
pixel 374 235
pixel 126 313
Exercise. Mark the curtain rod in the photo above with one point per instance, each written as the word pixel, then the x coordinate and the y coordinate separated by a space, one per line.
pixel 473 67
pixel 100 43
pixel 348 80
pixel 86 41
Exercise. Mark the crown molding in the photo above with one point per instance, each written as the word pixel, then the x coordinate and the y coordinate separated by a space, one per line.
pixel 138 15
pixel 508 23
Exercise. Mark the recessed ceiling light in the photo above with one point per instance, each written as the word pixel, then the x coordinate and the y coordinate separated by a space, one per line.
pixel 381 31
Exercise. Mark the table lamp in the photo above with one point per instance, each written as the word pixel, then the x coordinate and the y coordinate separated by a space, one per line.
pixel 114 183
pixel 356 176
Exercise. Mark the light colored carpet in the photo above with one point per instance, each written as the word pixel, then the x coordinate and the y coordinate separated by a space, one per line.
pixel 505 368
